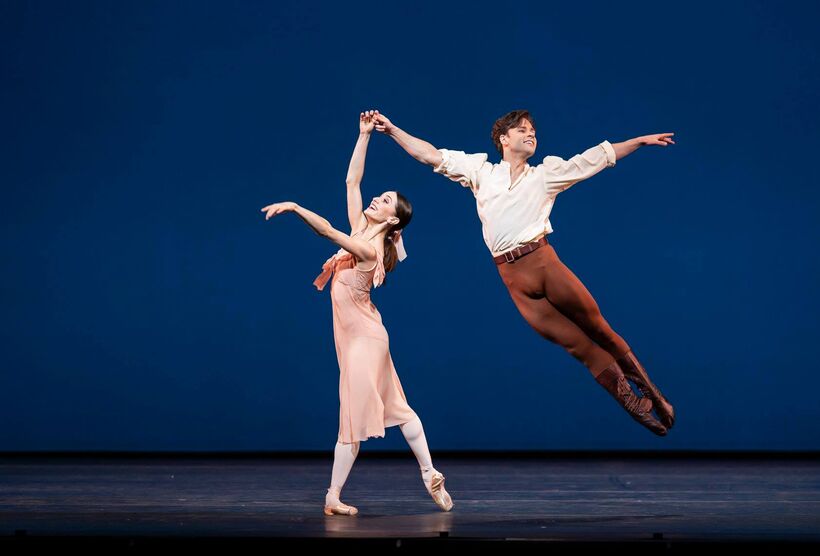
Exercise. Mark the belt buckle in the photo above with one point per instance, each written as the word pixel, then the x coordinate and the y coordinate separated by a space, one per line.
pixel 508 256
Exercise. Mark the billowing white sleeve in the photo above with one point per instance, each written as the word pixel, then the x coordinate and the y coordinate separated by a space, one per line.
pixel 461 167
pixel 560 174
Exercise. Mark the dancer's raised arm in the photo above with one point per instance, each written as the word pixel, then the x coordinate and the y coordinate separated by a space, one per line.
pixel 355 171
pixel 631 145
pixel 360 248
pixel 419 149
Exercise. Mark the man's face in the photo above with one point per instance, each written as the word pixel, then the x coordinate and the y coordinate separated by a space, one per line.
pixel 520 139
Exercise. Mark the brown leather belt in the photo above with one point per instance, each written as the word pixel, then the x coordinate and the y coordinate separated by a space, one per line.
pixel 518 252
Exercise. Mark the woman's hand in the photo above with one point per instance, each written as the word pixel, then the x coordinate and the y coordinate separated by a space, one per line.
pixel 366 122
pixel 278 208
pixel 383 124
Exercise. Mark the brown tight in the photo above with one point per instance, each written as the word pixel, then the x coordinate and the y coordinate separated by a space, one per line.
pixel 560 308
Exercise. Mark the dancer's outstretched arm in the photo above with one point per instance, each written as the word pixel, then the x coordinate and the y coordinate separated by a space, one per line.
pixel 360 248
pixel 355 171
pixel 419 149
pixel 627 147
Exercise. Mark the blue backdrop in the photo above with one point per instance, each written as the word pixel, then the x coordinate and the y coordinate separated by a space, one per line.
pixel 147 304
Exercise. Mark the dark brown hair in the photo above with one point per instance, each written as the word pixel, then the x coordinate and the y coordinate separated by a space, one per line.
pixel 404 212
pixel 503 124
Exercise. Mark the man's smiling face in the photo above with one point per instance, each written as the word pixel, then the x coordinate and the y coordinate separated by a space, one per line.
pixel 520 139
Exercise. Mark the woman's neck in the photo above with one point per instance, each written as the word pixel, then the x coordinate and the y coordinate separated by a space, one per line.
pixel 374 231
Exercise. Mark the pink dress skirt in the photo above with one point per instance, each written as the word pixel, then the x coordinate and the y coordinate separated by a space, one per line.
pixel 370 393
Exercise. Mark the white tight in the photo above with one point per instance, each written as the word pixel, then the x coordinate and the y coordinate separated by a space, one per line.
pixel 414 435
pixel 344 455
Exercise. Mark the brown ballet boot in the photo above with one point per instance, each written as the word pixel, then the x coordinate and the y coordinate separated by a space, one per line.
pixel 613 380
pixel 634 371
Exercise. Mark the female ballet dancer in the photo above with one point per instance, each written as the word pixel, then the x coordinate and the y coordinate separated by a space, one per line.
pixel 370 393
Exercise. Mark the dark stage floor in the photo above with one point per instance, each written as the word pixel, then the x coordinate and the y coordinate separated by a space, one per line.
pixel 649 502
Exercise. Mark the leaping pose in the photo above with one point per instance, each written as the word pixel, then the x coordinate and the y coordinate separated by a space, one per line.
pixel 514 201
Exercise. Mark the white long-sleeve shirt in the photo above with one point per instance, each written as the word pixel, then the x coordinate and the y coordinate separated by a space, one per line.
pixel 513 214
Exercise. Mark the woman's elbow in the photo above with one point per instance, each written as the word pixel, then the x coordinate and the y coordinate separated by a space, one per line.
pixel 326 230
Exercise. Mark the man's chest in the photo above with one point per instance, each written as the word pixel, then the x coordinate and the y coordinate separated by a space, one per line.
pixel 499 187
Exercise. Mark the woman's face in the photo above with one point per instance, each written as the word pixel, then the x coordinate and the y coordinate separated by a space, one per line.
pixel 383 207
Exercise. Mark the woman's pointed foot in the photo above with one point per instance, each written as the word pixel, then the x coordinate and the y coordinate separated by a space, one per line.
pixel 439 494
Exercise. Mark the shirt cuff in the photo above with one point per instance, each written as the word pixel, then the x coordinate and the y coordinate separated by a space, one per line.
pixel 611 157
pixel 445 158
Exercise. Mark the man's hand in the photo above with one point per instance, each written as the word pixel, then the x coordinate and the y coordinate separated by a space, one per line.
pixel 419 149
pixel 662 139
pixel 631 145
pixel 366 122
pixel 278 208
pixel 383 124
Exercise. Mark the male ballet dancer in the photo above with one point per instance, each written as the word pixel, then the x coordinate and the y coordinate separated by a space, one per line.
pixel 514 201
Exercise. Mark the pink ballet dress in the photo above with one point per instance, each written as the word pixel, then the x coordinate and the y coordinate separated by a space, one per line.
pixel 370 393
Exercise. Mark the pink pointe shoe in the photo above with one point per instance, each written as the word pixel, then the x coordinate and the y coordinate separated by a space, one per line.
pixel 334 506
pixel 440 496
pixel 340 509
